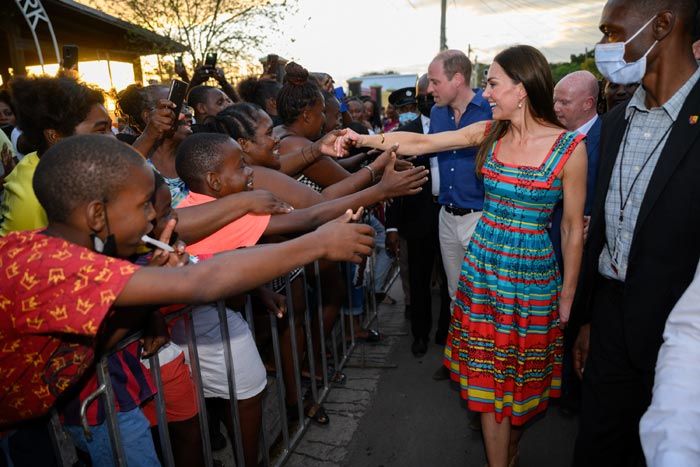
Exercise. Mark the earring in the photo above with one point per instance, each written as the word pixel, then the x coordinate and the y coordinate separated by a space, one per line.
pixel 520 105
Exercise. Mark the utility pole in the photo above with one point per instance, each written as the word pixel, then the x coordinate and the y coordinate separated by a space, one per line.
pixel 443 18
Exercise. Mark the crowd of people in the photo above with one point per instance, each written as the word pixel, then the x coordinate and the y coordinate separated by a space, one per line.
pixel 560 221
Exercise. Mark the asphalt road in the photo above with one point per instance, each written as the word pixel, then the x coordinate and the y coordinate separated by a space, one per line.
pixel 416 421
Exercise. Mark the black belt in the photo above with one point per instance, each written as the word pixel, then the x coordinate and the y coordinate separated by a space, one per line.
pixel 460 211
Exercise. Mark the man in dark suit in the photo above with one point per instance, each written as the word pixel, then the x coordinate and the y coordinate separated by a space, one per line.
pixel 575 103
pixel 415 219
pixel 644 238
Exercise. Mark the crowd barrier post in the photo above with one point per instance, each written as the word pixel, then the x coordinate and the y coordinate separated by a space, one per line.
pixel 230 376
pixel 295 351
pixel 163 432
pixel 197 378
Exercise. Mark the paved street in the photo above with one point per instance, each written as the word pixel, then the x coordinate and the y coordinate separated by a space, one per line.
pixel 402 417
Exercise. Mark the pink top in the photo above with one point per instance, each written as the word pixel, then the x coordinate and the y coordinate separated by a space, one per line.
pixel 242 232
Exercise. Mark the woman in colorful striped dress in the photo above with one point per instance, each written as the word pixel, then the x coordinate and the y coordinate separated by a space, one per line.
pixel 505 340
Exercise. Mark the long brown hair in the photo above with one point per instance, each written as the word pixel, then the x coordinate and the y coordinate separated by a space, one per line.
pixel 523 64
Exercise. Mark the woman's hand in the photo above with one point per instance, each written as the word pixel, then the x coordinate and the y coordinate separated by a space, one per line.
pixel 565 310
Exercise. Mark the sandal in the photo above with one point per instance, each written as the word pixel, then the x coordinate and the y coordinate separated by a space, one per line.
pixel 314 411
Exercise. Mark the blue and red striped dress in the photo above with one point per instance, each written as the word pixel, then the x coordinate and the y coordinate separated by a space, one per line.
pixel 504 345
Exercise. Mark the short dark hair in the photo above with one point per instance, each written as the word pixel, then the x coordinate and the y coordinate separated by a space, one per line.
pixel 198 95
pixel 51 103
pixel 687 10
pixel 258 91
pixel 199 154
pixel 81 169
pixel 297 94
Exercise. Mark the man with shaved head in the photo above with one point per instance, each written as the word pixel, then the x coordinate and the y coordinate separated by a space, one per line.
pixel 575 103
pixel 644 239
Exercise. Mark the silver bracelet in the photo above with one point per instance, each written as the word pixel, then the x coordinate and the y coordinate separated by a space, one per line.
pixel 372 173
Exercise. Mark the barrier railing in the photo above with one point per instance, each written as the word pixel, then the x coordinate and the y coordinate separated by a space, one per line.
pixel 273 451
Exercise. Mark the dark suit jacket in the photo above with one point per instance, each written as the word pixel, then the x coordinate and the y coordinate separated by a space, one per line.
pixel 666 241
pixel 415 216
pixel 593 150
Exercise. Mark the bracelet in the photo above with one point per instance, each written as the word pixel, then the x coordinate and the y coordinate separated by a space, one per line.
pixel 372 173
pixel 382 135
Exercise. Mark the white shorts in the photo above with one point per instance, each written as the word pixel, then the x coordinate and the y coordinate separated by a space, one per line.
pixel 249 371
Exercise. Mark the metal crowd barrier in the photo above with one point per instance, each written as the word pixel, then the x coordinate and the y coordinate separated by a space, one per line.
pixel 286 440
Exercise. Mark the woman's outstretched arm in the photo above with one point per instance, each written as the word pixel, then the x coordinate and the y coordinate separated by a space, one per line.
pixel 416 144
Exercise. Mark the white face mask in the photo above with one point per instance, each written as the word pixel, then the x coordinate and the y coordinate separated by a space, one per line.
pixel 610 60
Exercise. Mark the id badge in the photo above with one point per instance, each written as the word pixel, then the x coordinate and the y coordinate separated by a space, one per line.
pixel 616 258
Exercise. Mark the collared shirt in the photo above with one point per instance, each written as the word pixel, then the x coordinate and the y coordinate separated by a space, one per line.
pixel 647 132
pixel 586 127
pixel 434 166
pixel 669 428
pixel 459 185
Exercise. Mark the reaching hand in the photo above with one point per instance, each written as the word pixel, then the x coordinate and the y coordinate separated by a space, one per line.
pixel 349 140
pixel 408 182
pixel 327 144
pixel 344 240
pixel 264 202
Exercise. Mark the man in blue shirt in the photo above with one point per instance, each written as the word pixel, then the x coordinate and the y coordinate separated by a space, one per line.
pixel 461 191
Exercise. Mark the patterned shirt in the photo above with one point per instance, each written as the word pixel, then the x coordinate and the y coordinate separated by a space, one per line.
pixel 646 135
pixel 54 295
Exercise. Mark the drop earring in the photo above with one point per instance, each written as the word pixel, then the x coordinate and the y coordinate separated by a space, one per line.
pixel 520 105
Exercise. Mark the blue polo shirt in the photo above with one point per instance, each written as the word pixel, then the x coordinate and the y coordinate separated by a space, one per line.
pixel 459 185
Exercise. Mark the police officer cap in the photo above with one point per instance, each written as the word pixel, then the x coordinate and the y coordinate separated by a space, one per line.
pixel 403 96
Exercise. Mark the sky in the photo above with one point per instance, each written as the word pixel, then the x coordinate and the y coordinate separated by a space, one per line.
pixel 347 38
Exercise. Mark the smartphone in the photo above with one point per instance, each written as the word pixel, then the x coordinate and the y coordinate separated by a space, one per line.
pixel 210 60
pixel 178 91
pixel 70 57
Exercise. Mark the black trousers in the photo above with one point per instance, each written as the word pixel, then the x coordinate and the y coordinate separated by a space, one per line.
pixel 423 252
pixel 615 394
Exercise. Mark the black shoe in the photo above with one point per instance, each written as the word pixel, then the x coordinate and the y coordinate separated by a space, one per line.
pixel 419 347
pixel 441 374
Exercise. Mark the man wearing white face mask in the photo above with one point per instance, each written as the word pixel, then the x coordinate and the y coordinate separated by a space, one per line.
pixel 644 244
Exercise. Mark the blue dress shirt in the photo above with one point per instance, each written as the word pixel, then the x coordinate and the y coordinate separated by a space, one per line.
pixel 459 185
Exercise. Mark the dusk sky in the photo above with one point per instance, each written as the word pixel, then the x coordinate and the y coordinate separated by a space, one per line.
pixel 346 38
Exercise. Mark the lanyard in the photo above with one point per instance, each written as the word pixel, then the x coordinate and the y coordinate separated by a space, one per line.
pixel 625 199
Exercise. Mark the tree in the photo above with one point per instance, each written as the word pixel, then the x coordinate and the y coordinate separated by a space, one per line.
pixel 584 61
pixel 232 28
